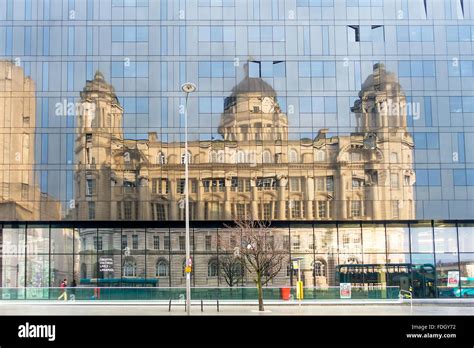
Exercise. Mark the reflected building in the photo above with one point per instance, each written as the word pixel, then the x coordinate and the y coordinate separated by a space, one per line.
pixel 20 195
pixel 255 171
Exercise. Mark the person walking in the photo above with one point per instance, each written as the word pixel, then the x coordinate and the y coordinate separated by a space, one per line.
pixel 63 290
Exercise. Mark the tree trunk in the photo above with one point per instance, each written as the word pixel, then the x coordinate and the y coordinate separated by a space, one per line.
pixel 260 293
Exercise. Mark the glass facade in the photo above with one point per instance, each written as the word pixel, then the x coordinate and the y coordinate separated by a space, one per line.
pixel 368 255
pixel 304 110
pixel 349 113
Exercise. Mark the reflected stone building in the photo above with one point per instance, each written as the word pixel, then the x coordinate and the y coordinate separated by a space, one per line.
pixel 255 171
pixel 20 195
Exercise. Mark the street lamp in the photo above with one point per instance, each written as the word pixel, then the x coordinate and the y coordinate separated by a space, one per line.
pixel 187 88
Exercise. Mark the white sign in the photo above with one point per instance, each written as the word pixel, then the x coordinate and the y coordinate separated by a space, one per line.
pixel 453 279
pixel 345 290
pixel 106 264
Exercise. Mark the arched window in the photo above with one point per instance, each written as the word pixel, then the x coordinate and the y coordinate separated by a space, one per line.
pixel 162 268
pixel 161 158
pixel 266 157
pixel 320 155
pixel 394 157
pixel 212 268
pixel 189 157
pixel 216 156
pixel 293 156
pixel 130 269
pixel 319 268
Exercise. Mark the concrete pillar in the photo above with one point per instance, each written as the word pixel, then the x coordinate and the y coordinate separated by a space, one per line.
pixel 173 200
pixel 309 198
pixel 282 183
pixel 341 188
pixel 254 203
pixel 144 199
pixel 200 202
pixel 227 195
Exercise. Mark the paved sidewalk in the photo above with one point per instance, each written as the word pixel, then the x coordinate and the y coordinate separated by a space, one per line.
pixel 147 308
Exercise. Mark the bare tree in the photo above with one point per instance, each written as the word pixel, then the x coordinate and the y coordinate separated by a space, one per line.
pixel 261 256
pixel 232 269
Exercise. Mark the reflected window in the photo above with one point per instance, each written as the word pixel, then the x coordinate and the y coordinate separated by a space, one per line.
pixel 212 268
pixel 184 158
pixel 161 158
pixel 320 155
pixel 130 268
pixel 162 268
pixel 267 157
pixel 293 156
pixel 319 268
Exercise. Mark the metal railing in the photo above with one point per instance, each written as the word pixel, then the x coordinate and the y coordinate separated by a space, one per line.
pixel 175 295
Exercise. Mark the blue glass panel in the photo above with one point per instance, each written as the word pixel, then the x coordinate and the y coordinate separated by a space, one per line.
pixel 117 34
pixel 229 34
pixel 229 69
pixel 130 34
pixel 404 69
pixel 434 177
pixel 420 140
pixel 205 105
pixel 317 69
pixel 142 105
pixel 455 104
pixel 204 69
pixel 464 33
pixel 452 33
pixel 217 69
pixel 429 68
pixel 305 104
pixel 304 69
pixel 415 33
pixel 329 69
pixel 217 34
pixel 467 104
pixel 279 69
pixel 266 33
pixel 470 177
pixel 142 34
pixel 422 177
pixel 416 68
pixel 402 33
pixel 142 69
pixel 459 177
pixel 432 140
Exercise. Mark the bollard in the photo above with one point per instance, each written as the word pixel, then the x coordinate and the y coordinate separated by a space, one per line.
pixel 169 309
pixel 218 305
pixel 202 307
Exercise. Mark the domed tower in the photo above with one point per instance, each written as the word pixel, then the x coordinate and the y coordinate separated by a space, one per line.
pixel 252 113
pixel 99 124
pixel 381 114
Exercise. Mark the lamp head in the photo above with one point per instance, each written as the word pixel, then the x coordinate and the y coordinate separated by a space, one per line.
pixel 188 87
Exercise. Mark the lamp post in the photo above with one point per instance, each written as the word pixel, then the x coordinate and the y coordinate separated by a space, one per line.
pixel 187 88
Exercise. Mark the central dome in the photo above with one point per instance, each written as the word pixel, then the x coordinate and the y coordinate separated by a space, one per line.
pixel 253 85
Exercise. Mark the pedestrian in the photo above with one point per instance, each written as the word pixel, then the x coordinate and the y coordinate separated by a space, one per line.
pixel 63 290
pixel 73 286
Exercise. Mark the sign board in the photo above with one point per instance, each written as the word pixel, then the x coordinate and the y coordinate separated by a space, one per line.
pixel 345 290
pixel 106 264
pixel 453 279
pixel 189 262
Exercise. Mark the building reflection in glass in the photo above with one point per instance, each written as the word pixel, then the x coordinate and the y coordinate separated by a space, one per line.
pixel 255 170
